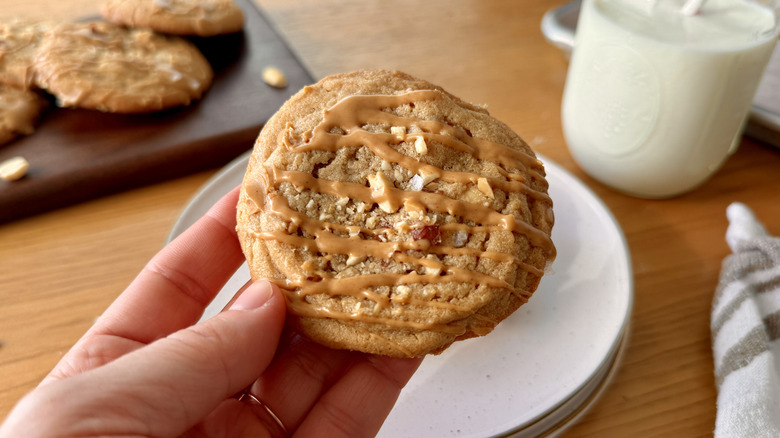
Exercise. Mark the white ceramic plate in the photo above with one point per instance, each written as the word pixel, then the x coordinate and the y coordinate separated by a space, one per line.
pixel 541 367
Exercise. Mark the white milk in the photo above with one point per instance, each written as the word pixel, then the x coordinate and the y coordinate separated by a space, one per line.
pixel 655 100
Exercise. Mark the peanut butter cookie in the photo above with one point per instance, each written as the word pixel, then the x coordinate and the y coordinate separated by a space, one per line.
pixel 395 217
pixel 19 41
pixel 98 65
pixel 180 17
pixel 19 110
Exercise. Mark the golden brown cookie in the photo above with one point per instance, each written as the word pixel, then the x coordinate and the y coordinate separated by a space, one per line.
pixel 395 217
pixel 98 65
pixel 19 41
pixel 179 17
pixel 19 110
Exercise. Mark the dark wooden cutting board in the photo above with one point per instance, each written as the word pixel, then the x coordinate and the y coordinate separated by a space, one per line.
pixel 76 155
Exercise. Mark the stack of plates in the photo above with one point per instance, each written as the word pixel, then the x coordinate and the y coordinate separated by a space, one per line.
pixel 543 366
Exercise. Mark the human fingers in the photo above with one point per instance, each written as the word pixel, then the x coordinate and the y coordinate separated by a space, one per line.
pixel 179 282
pixel 169 294
pixel 301 372
pixel 166 387
pixel 358 403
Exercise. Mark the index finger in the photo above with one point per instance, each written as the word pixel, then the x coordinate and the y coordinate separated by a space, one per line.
pixel 179 282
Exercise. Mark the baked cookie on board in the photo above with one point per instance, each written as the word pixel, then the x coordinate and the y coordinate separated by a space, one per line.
pixel 179 17
pixel 103 66
pixel 19 41
pixel 19 110
pixel 395 217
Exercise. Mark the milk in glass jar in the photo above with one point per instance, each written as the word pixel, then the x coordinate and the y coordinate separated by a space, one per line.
pixel 658 91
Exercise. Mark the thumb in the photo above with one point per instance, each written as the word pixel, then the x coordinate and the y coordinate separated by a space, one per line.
pixel 168 386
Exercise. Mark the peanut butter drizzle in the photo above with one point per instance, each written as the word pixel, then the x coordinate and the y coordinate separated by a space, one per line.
pixel 351 286
pixel 350 115
pixel 316 227
pixel 356 111
pixel 396 198
pixel 380 144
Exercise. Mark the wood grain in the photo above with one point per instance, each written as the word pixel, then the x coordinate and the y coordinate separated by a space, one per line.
pixel 59 270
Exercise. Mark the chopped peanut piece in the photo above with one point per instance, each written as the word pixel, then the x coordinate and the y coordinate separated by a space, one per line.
pixel 386 206
pixel 399 131
pixel 378 183
pixel 354 260
pixel 420 146
pixel 14 168
pixel 274 77
pixel 484 186
pixel 435 269
pixel 403 293
pixel 428 175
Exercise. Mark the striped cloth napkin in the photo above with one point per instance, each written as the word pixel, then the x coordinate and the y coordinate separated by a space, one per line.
pixel 746 331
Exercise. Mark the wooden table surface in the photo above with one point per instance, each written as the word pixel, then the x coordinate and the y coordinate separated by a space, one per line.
pixel 59 270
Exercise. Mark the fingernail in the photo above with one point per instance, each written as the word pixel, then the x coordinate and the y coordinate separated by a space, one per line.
pixel 257 294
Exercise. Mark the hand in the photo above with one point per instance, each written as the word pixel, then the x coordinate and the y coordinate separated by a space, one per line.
pixel 144 369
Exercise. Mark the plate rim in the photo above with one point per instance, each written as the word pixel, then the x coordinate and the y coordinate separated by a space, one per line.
pixel 226 172
pixel 619 343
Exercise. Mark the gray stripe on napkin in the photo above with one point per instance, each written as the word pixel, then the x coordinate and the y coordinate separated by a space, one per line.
pixel 744 294
pixel 738 266
pixel 750 346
